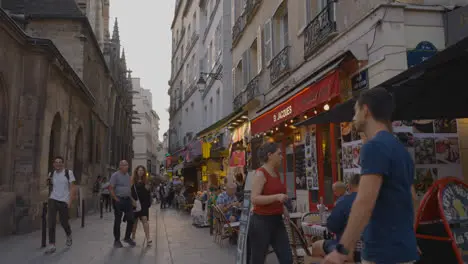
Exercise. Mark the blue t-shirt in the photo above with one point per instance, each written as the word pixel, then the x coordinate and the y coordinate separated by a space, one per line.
pixel 338 218
pixel 389 237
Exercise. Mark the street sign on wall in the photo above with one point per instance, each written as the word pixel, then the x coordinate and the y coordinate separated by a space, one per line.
pixel 423 51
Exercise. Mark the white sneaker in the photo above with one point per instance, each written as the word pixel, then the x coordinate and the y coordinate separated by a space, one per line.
pixel 50 249
pixel 69 241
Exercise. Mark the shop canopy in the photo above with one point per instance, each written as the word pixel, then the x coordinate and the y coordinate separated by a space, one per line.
pixel 436 88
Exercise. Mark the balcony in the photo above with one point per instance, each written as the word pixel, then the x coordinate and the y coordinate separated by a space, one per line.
pixel 319 30
pixel 279 65
pixel 238 101
pixel 237 29
pixel 190 90
pixel 250 9
pixel 253 90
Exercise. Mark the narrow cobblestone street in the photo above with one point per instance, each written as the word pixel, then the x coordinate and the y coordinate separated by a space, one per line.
pixel 175 241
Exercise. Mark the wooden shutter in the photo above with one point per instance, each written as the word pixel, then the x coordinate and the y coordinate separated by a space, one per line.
pixel 245 69
pixel 268 41
pixel 234 83
pixel 259 50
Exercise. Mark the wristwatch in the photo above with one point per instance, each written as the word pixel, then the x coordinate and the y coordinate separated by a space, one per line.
pixel 341 249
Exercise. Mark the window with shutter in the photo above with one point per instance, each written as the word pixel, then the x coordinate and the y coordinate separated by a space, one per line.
pixel 268 41
pixel 284 38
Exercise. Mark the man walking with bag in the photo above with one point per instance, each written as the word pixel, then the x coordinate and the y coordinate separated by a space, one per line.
pixel 120 189
pixel 62 191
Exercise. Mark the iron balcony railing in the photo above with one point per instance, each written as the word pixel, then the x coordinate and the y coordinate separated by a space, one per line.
pixel 279 65
pixel 238 101
pixel 253 90
pixel 250 9
pixel 319 30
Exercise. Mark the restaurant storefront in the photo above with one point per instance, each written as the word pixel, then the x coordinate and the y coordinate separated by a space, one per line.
pixel 311 154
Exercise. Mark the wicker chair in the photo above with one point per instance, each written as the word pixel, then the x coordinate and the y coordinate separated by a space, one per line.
pixel 297 242
pixel 223 228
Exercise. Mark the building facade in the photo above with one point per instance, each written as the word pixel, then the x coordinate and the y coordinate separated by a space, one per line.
pixel 80 100
pixel 145 128
pixel 201 52
pixel 295 59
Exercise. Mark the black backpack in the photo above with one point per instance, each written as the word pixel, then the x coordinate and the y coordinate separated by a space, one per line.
pixel 49 180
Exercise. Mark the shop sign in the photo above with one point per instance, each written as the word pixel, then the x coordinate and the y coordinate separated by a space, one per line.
pixel 308 98
pixel 360 81
pixel 286 112
pixel 423 51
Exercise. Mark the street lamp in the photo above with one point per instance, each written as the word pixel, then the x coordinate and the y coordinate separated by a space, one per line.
pixel 201 84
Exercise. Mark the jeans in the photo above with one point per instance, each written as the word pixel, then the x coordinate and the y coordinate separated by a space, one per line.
pixel 53 207
pixel 123 206
pixel 265 230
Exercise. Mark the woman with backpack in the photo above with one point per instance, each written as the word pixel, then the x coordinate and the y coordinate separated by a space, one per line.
pixel 142 195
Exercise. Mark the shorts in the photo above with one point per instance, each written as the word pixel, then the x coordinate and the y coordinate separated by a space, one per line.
pixel 329 245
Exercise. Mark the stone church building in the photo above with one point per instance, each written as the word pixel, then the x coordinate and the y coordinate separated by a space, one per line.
pixel 64 90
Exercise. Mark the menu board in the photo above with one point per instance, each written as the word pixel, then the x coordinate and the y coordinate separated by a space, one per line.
pixel 300 169
pixel 310 152
pixel 454 199
pixel 434 147
pixel 241 256
pixel 350 151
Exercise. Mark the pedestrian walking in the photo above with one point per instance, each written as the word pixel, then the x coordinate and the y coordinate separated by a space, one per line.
pixel 162 195
pixel 62 190
pixel 269 198
pixel 385 197
pixel 120 189
pixel 141 193
pixel 105 194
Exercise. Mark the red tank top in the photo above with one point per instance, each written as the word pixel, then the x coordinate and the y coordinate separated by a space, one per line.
pixel 272 186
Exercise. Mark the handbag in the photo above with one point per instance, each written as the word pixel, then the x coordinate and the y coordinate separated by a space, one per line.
pixel 137 203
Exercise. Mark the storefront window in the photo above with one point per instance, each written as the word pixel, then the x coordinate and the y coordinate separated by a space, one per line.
pixel 327 165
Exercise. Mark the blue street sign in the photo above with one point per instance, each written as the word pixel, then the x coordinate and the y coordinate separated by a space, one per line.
pixel 423 51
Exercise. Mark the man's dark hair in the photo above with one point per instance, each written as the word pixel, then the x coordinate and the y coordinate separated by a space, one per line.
pixel 379 102
pixel 266 149
pixel 60 158
pixel 354 179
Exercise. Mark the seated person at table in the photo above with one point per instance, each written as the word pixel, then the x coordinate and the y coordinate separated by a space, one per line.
pixel 339 190
pixel 338 219
pixel 227 200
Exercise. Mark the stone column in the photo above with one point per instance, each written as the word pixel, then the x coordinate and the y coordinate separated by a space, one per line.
pixel 26 154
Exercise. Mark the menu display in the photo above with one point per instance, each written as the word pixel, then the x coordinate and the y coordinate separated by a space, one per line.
pixel 433 144
pixel 300 168
pixel 311 159
pixel 241 256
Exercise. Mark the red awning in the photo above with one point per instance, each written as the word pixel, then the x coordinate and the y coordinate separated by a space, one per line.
pixel 316 94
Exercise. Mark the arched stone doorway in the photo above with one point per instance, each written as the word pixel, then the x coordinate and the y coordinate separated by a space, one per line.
pixel 55 139
pixel 78 156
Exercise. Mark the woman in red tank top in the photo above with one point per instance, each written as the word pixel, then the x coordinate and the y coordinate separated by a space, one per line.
pixel 268 197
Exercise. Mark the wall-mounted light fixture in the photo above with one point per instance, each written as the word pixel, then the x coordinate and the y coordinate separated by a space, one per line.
pixel 201 84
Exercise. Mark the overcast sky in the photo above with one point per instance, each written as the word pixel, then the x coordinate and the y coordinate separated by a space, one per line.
pixel 145 34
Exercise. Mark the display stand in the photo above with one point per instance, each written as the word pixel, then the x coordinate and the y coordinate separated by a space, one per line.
pixel 442 223
pixel 242 246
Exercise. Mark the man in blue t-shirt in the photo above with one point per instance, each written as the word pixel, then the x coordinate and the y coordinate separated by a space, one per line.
pixel 337 221
pixel 383 208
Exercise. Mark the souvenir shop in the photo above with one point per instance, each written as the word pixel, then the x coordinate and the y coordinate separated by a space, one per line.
pixel 311 154
pixel 217 144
